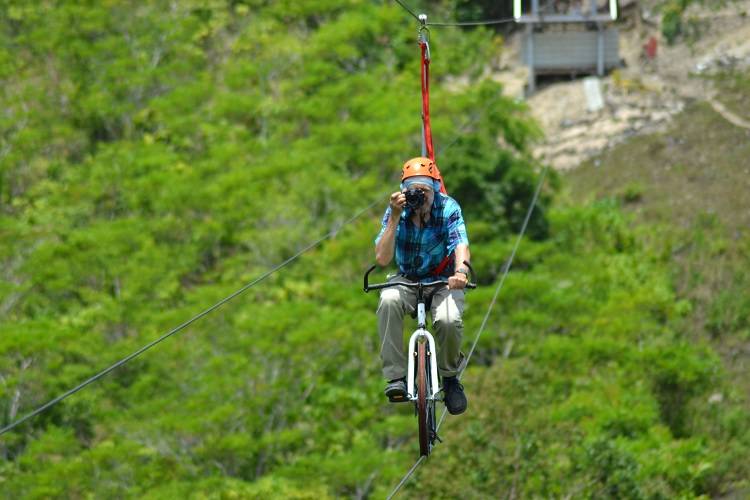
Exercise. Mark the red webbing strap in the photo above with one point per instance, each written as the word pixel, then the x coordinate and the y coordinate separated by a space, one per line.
pixel 425 73
pixel 443 264
pixel 426 99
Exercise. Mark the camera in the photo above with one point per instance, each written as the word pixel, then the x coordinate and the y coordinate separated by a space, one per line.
pixel 415 198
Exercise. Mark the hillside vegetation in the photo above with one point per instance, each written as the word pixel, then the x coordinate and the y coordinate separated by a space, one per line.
pixel 155 157
pixel 623 342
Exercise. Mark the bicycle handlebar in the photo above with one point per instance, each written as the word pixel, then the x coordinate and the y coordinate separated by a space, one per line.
pixel 409 284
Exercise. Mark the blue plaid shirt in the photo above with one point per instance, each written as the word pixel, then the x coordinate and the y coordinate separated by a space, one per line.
pixel 420 250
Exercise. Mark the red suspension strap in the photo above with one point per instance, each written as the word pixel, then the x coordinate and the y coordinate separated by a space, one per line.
pixel 426 130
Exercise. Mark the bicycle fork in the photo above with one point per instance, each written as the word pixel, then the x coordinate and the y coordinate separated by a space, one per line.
pixel 422 335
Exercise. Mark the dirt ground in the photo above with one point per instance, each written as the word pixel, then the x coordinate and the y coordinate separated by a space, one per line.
pixel 644 94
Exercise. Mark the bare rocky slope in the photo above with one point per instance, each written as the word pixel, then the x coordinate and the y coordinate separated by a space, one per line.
pixel 644 94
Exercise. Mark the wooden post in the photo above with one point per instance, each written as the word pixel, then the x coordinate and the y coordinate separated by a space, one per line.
pixel 599 49
pixel 530 52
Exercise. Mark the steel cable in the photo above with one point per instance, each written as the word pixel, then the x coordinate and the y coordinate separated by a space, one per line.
pixel 407 9
pixel 485 22
pixel 406 477
pixel 475 23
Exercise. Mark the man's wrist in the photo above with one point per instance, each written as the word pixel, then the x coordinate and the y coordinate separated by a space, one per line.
pixel 463 271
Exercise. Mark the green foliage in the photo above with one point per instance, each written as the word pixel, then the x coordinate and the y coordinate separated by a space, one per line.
pixel 632 193
pixel 696 373
pixel 600 395
pixel 156 157
pixel 671 20
pixel 678 373
pixel 674 25
pixel 615 469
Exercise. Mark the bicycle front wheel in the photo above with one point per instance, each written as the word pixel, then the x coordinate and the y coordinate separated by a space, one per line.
pixel 423 404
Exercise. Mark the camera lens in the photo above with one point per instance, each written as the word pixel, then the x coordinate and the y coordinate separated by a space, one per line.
pixel 415 198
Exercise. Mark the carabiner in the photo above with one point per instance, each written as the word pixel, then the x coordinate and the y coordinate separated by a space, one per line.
pixel 423 35
pixel 423 28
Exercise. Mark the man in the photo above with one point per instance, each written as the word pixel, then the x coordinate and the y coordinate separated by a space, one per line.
pixel 429 242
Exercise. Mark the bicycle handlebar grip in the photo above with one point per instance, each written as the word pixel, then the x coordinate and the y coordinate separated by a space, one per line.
pixel 471 269
pixel 471 284
pixel 367 274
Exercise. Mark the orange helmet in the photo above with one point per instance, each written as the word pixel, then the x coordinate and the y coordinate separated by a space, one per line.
pixel 420 166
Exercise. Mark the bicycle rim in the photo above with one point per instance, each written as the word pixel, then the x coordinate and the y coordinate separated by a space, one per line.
pixel 422 403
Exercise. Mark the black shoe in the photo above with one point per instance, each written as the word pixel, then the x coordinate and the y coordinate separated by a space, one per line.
pixel 455 399
pixel 396 390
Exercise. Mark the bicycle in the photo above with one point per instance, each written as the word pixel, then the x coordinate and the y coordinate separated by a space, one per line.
pixel 421 349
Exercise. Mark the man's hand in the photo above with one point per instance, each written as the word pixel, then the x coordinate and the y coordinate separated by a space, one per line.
pixel 398 200
pixel 458 281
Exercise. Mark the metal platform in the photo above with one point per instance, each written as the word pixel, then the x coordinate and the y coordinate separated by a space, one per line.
pixel 589 47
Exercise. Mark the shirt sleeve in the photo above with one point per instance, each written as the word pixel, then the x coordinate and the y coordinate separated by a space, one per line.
pixel 456 228
pixel 384 223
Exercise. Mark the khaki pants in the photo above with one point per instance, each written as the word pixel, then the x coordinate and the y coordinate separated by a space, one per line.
pixel 447 328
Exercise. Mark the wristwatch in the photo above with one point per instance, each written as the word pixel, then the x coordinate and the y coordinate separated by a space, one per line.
pixel 463 271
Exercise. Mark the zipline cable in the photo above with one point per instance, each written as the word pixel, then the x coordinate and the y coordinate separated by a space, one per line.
pixel 485 22
pixel 407 476
pixel 476 23
pixel 192 320
pixel 407 9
